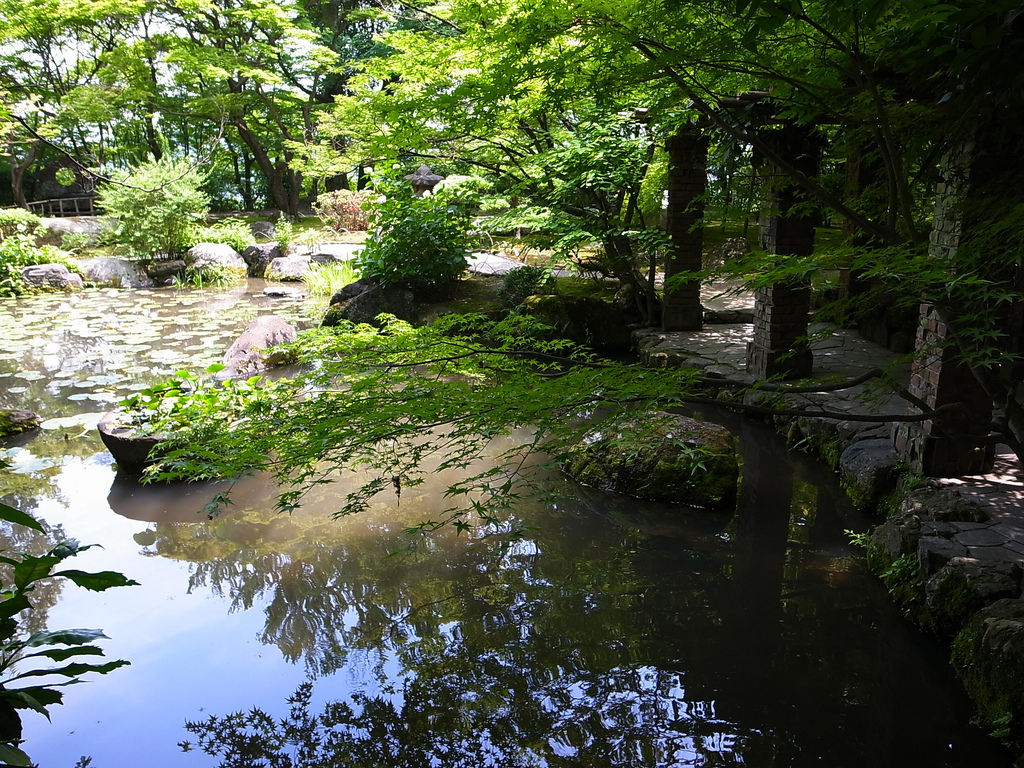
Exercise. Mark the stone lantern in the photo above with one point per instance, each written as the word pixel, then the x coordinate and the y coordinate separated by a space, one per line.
pixel 424 180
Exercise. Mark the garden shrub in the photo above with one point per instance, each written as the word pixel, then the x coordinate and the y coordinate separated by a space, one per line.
pixel 344 209
pixel 19 250
pixel 234 232
pixel 525 281
pixel 157 207
pixel 420 242
pixel 13 220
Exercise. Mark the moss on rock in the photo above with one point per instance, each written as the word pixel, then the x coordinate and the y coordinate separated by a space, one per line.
pixel 988 656
pixel 16 422
pixel 664 457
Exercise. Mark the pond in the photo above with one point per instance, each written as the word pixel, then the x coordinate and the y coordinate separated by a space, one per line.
pixel 614 634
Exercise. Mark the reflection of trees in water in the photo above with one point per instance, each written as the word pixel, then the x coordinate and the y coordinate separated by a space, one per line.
pixel 543 648
pixel 611 637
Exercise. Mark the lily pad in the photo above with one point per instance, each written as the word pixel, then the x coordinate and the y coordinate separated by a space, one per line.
pixel 87 420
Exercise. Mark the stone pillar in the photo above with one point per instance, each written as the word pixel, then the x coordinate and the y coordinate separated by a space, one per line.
pixel 781 311
pixel 944 447
pixel 687 181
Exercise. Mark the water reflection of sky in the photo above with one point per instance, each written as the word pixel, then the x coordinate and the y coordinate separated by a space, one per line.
pixel 615 634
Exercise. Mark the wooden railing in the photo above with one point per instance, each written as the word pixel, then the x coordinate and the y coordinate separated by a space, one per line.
pixel 64 206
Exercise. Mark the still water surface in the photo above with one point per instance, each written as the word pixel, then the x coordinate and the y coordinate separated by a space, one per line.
pixel 616 634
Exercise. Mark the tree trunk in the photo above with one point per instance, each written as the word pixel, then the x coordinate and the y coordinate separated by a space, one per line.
pixel 275 172
pixel 19 168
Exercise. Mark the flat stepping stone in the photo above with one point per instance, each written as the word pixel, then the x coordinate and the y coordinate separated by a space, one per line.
pixel 983 537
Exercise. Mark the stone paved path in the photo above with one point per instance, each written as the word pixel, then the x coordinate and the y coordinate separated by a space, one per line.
pixel 719 350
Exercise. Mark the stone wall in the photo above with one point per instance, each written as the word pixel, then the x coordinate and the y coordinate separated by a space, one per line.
pixel 781 312
pixel 952 446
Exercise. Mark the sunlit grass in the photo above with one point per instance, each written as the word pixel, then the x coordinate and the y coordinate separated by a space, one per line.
pixel 325 279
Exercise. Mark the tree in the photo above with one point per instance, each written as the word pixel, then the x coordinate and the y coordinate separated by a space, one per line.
pixel 156 210
pixel 52 55
pixel 895 86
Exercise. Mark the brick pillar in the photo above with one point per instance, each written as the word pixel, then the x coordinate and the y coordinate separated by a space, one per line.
pixel 687 181
pixel 943 447
pixel 781 311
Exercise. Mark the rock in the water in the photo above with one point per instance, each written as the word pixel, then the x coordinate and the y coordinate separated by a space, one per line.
pixel 868 470
pixel 16 422
pixel 988 656
pixel 215 255
pixel 363 301
pixel 595 323
pixel 114 273
pixel 51 276
pixel 248 354
pixel 663 457
pixel 282 292
pixel 352 290
pixel 132 451
pixel 965 585
pixel 163 270
pixel 259 256
pixel 288 268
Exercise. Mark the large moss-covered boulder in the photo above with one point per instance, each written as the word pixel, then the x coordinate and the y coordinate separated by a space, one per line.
pixel 16 422
pixel 363 301
pixel 988 656
pixel 662 457
pixel 248 354
pixel 585 320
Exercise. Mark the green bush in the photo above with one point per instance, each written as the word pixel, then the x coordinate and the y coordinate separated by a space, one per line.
pixel 284 231
pixel 157 206
pixel 525 281
pixel 13 220
pixel 420 242
pixel 234 232
pixel 20 250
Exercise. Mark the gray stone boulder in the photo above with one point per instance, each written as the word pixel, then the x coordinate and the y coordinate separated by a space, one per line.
pixel 868 471
pixel 56 228
pixel 133 451
pixel 114 273
pixel 54 277
pixel 926 511
pixel 248 354
pixel 963 586
pixel 363 301
pixel 263 230
pixel 289 268
pixel 16 422
pixel 661 457
pixel 258 257
pixel 219 255
pixel 162 271
pixel 988 656
pixel 588 321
